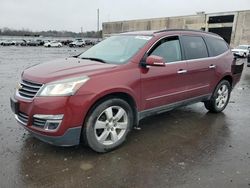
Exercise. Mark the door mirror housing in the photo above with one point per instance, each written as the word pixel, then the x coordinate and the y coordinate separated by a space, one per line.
pixel 154 60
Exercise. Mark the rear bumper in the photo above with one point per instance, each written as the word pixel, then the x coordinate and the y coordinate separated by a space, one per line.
pixel 236 73
pixel 71 137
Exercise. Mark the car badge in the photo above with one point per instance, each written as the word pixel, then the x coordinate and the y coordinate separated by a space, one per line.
pixel 19 86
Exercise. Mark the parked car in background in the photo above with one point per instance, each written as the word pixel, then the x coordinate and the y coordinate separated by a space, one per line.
pixel 89 42
pixel 53 44
pixel 7 43
pixel 21 43
pixel 98 96
pixel 41 42
pixel 96 41
pixel 33 43
pixel 77 43
pixel 241 50
pixel 66 42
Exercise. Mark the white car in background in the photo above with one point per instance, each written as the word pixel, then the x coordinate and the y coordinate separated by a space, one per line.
pixel 53 44
pixel 77 43
pixel 241 50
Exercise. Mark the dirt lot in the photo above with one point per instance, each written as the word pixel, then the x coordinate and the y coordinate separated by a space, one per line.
pixel 187 147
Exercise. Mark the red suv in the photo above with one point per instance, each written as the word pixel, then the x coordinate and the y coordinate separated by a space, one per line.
pixel 99 95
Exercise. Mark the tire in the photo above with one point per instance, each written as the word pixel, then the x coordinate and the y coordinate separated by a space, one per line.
pixel 108 125
pixel 220 97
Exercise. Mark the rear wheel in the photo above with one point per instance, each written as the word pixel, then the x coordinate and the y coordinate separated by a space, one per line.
pixel 220 97
pixel 108 124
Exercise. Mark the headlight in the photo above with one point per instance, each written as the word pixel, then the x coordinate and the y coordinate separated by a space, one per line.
pixel 65 87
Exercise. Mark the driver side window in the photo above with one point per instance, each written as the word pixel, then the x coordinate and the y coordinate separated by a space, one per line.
pixel 168 48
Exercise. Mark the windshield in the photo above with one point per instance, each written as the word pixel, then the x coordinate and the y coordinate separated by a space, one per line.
pixel 242 47
pixel 116 49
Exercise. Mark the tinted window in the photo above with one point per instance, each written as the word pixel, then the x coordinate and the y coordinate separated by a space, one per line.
pixel 216 46
pixel 169 49
pixel 194 47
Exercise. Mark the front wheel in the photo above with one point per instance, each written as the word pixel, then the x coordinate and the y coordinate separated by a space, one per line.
pixel 220 97
pixel 107 125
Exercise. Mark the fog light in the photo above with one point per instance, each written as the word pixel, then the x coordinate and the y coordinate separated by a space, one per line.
pixel 52 125
pixel 47 122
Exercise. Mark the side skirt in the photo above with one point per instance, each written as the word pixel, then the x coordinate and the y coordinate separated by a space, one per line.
pixel 168 107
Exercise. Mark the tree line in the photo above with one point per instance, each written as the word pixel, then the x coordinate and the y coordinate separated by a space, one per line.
pixel 50 33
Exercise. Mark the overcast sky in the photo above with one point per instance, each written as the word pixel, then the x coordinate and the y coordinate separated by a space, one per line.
pixel 71 15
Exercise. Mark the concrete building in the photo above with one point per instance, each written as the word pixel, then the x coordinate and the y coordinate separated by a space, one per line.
pixel 234 27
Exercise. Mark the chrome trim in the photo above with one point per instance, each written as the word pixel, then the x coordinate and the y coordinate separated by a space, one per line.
pixel 46 127
pixel 175 93
pixel 212 66
pixel 26 84
pixel 182 71
pixel 24 93
pixel 168 107
pixel 44 120
pixel 49 117
pixel 20 121
pixel 26 98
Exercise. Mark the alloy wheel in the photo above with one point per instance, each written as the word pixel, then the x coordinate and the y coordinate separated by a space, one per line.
pixel 222 96
pixel 111 125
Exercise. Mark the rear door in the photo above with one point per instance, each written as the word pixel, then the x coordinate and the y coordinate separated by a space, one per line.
pixel 200 70
pixel 164 85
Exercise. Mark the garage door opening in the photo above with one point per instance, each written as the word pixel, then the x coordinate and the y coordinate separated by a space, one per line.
pixel 221 19
pixel 224 32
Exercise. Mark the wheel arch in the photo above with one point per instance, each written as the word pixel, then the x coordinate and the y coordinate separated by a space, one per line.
pixel 121 95
pixel 229 78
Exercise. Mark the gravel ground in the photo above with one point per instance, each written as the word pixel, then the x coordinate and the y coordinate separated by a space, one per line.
pixel 187 147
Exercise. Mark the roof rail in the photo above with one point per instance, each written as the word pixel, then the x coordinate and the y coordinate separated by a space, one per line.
pixel 193 30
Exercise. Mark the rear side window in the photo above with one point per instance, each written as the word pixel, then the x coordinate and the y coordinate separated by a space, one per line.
pixel 216 46
pixel 169 49
pixel 194 47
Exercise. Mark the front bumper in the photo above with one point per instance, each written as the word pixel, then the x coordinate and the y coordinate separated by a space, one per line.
pixel 73 109
pixel 70 138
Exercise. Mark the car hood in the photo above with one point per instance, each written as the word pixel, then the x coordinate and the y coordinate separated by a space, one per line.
pixel 64 68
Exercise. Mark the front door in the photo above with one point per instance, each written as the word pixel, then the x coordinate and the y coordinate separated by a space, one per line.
pixel 164 85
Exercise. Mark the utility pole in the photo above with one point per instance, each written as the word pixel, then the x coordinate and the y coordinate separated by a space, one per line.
pixel 98 21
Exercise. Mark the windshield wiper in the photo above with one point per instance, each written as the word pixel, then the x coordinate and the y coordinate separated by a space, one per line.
pixel 94 59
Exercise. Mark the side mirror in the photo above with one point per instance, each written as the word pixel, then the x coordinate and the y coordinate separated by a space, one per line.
pixel 154 60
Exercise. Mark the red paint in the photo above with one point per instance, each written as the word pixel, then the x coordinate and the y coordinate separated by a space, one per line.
pixel 143 84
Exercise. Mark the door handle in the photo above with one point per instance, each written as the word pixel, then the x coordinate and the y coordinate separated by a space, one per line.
pixel 181 71
pixel 212 66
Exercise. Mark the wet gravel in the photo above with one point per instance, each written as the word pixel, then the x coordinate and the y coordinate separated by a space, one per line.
pixel 187 147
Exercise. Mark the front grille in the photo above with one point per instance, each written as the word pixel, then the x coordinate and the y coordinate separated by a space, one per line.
pixel 28 89
pixel 37 122
pixel 24 118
